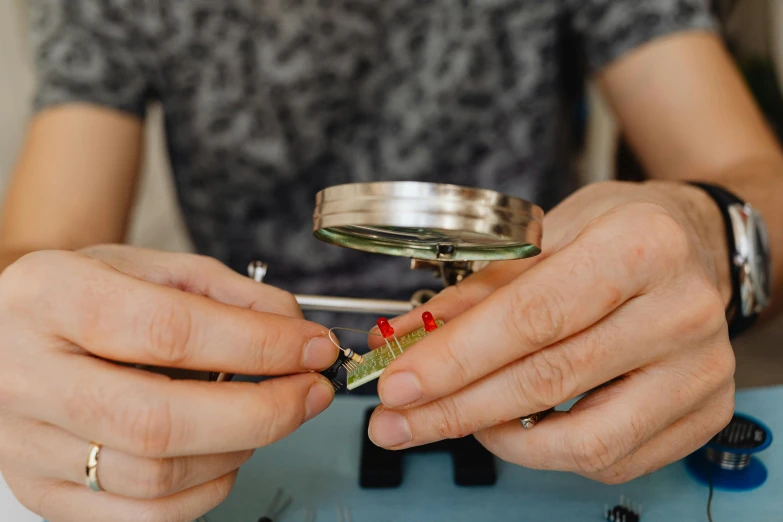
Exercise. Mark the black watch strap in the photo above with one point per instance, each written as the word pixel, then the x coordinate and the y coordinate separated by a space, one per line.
pixel 738 323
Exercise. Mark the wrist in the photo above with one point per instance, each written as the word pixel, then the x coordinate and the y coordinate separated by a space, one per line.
pixel 706 221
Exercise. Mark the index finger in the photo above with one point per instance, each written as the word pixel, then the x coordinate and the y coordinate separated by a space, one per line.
pixel 124 319
pixel 609 263
pixel 456 299
pixel 149 415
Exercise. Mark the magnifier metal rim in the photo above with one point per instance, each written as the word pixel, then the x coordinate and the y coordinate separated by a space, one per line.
pixel 428 221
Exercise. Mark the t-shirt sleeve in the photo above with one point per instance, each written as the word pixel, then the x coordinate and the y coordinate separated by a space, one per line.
pixel 87 51
pixel 611 28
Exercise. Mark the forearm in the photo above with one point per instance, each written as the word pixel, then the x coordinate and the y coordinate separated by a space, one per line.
pixel 74 182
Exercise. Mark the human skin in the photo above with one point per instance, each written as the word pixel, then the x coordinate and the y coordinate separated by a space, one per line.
pixel 631 287
pixel 684 109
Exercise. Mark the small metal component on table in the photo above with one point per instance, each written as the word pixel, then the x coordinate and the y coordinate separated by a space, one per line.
pixel 273 512
pixel 531 420
pixel 625 511
pixel 257 271
pixel 343 514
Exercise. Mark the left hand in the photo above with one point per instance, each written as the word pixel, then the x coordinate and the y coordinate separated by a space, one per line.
pixel 629 289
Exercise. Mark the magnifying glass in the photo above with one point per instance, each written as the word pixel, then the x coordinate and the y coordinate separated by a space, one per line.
pixel 449 229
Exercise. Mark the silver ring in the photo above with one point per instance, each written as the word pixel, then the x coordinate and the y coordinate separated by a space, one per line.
pixel 531 420
pixel 91 469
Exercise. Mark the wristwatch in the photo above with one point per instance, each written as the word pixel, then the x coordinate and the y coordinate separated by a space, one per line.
pixel 749 258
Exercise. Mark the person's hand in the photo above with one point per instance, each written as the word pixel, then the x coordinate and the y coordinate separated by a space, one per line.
pixel 171 448
pixel 629 287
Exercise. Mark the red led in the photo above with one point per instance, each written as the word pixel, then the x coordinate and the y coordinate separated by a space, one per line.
pixel 429 322
pixel 385 328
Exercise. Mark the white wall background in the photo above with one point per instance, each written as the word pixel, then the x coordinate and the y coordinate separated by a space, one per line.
pixel 156 222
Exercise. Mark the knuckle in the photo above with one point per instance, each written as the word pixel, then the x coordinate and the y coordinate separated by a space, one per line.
pixel 640 426
pixel 717 368
pixel 724 364
pixel 452 359
pixel 289 303
pixel 704 314
pixel 550 379
pixel 161 479
pixel 592 455
pixel 451 421
pixel 535 315
pixel 169 332
pixel 617 475
pixel 264 359
pixel 724 411
pixel 26 280
pixel 222 487
pixel 277 420
pixel 149 428
pixel 667 233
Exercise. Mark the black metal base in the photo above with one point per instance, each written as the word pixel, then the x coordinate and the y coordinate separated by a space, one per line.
pixel 380 468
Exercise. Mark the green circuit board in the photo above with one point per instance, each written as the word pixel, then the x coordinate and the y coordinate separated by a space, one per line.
pixel 376 361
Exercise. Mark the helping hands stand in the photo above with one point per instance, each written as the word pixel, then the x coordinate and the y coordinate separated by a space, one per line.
pixel 448 229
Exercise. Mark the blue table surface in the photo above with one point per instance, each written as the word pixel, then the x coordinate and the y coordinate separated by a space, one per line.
pixel 319 466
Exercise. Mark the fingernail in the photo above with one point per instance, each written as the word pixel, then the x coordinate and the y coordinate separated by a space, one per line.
pixel 319 354
pixel 400 389
pixel 318 399
pixel 389 429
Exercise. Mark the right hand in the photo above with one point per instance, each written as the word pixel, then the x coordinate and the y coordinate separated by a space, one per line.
pixel 171 448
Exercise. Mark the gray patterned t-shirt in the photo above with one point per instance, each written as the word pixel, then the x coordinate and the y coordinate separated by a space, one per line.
pixel 268 101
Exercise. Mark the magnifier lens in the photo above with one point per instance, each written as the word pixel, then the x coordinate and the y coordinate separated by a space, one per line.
pixel 428 221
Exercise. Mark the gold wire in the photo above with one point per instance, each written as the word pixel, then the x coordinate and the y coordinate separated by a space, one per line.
pixel 337 344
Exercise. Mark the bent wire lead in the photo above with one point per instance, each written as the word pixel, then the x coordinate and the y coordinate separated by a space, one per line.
pixel 350 354
pixel 346 359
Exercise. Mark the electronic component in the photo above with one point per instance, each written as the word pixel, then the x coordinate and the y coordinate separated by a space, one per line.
pixel 354 357
pixel 429 322
pixel 376 361
pixel 625 511
pixel 388 332
pixel 273 512
pixel 347 359
pixel 333 372
pixel 727 461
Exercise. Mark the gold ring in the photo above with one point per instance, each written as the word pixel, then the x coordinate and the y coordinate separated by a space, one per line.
pixel 91 469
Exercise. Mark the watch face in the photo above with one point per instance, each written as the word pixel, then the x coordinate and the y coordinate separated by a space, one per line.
pixel 760 259
pixel 752 258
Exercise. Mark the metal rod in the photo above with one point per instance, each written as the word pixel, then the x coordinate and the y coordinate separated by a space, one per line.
pixel 353 305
